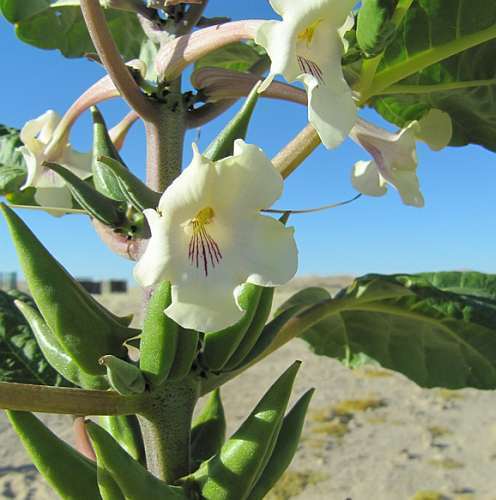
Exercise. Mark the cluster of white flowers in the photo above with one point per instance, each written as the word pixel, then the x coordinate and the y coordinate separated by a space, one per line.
pixel 208 236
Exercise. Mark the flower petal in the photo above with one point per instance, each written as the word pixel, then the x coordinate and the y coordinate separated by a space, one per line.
pixel 436 129
pixel 267 250
pixel 407 185
pixel 367 180
pixel 36 133
pixel 204 307
pixel 246 181
pixel 56 197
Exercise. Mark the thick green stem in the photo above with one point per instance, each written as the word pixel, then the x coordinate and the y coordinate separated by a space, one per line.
pixel 166 428
pixel 165 140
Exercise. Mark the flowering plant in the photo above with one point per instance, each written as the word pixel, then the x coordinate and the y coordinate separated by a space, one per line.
pixel 209 248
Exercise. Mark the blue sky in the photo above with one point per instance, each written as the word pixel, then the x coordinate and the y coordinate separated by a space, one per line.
pixel 454 230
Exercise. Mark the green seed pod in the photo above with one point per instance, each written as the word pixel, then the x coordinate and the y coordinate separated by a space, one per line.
pixel 220 346
pixel 70 474
pixel 138 194
pixel 254 331
pixel 223 144
pixel 233 472
pixel 103 178
pixel 133 479
pixel 54 352
pixel 209 430
pixel 269 333
pixel 78 322
pixel 186 352
pixel 126 431
pixel 103 209
pixel 109 489
pixel 159 338
pixel 124 377
pixel 285 449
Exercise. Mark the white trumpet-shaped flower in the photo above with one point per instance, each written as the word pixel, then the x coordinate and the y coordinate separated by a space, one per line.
pixel 208 237
pixel 51 189
pixel 307 46
pixel 395 155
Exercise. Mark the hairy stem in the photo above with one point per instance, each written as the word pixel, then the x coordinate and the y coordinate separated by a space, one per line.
pixel 166 427
pixel 45 399
pixel 110 57
pixel 165 140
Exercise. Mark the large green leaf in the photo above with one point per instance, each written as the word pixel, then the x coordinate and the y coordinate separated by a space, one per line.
pixel 438 337
pixel 12 166
pixel 443 57
pixel 60 25
pixel 21 359
pixel 235 56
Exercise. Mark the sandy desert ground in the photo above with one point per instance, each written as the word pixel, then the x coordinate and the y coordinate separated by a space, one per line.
pixel 370 434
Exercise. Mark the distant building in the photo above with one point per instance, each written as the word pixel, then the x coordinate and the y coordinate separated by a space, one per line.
pixel 8 281
pixel 106 286
pixel 114 286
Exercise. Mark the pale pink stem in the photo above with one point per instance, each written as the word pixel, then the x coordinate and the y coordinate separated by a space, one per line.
pixel 119 132
pixel 175 56
pixel 82 440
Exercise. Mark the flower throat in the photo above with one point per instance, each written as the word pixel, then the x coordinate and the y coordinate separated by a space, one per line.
pixel 203 250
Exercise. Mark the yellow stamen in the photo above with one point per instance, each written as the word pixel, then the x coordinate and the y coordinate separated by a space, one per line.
pixel 308 33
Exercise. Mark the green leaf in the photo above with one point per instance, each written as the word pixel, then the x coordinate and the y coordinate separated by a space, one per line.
pixel 235 56
pixel 21 360
pixel 12 166
pixel 374 26
pixel 443 57
pixel 438 337
pixel 60 25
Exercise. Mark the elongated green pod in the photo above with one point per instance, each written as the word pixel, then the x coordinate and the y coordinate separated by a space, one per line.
pixel 68 472
pixel 133 479
pixel 159 338
pixel 106 210
pixel 138 194
pixel 103 178
pixel 85 332
pixel 109 489
pixel 208 432
pixel 222 146
pixel 269 333
pixel 232 473
pixel 126 431
pixel 254 331
pixel 220 346
pixel 124 377
pixel 186 352
pixel 54 353
pixel 285 449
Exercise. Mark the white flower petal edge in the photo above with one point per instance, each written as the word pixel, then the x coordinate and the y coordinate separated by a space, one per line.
pixel 208 237
pixel 51 190
pixel 307 46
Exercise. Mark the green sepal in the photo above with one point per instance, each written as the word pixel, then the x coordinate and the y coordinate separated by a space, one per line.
pixel 133 479
pixel 374 27
pixel 285 449
pixel 136 192
pixel 208 432
pixel 232 473
pixel 83 327
pixel 159 338
pixel 124 377
pixel 220 346
pixel 186 352
pixel 103 178
pixel 68 472
pixel 254 331
pixel 126 431
pixel 55 354
pixel 223 145
pixel 106 210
